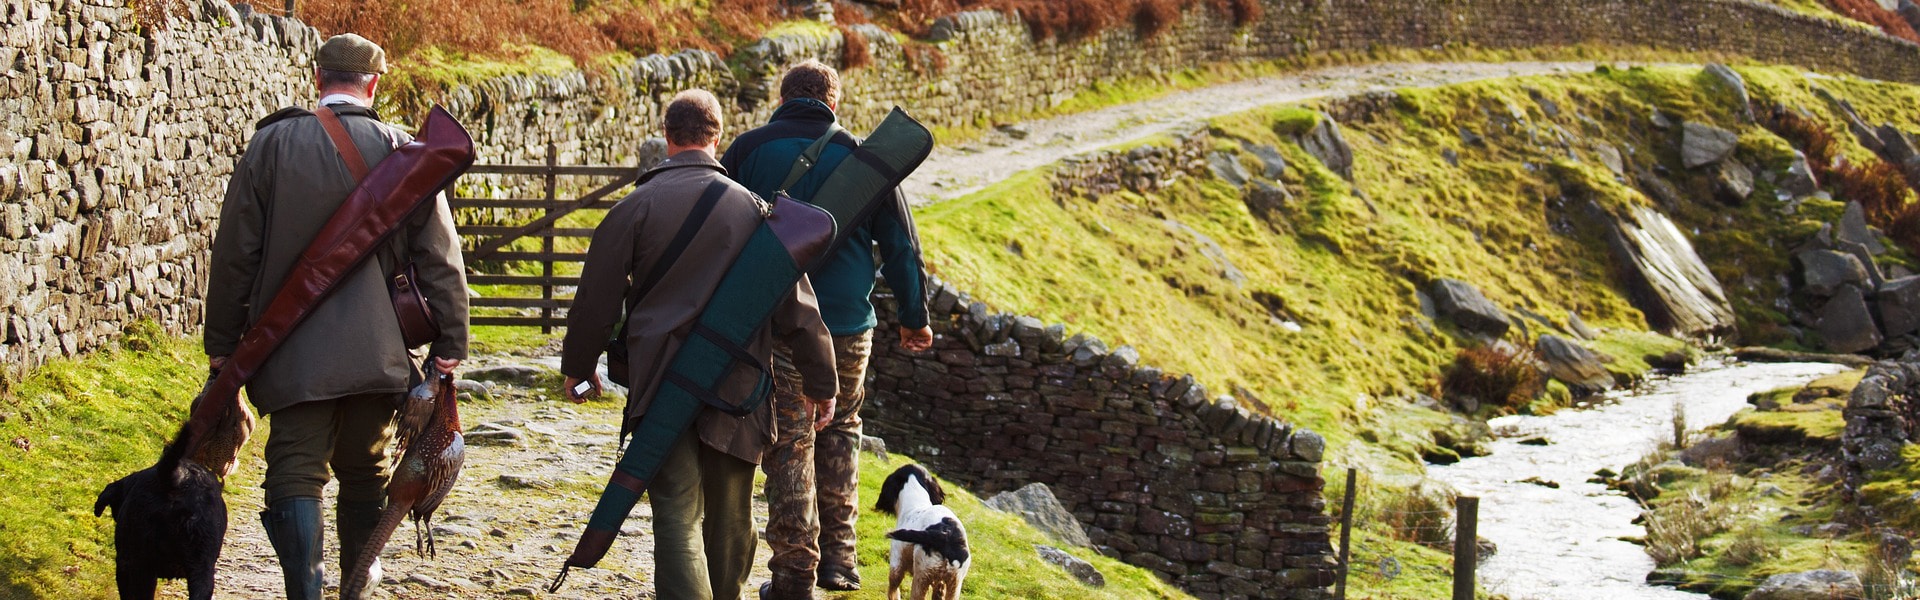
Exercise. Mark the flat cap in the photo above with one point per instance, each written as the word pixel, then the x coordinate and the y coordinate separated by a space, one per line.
pixel 351 53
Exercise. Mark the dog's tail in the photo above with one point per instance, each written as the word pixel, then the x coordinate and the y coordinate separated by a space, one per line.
pixel 945 538
pixel 109 497
pixel 176 451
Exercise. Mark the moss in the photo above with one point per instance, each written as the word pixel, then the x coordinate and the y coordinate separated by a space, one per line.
pixel 1820 426
pixel 1893 490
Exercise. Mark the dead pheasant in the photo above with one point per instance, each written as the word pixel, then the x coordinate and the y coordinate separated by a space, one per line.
pixel 429 464
pixel 220 450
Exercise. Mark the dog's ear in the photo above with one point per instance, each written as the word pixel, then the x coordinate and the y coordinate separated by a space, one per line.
pixel 934 493
pixel 890 491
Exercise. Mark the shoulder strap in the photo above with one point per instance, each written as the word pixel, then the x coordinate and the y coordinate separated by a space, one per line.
pixel 811 156
pixel 681 238
pixel 342 143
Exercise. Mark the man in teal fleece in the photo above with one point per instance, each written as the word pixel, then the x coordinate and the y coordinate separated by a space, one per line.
pixel 812 487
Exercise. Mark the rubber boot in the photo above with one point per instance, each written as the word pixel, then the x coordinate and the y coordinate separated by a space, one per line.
pixel 355 521
pixel 293 526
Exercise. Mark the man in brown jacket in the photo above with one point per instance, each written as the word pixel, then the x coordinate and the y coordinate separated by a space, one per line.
pixel 331 387
pixel 702 496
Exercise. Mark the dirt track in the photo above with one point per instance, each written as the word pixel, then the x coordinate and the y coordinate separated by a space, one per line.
pixel 955 171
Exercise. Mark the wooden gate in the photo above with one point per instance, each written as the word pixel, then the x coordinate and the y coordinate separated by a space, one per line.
pixel 498 247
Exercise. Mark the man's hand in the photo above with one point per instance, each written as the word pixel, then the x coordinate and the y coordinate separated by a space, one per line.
pixel 916 340
pixel 822 412
pixel 445 365
pixel 572 383
pixel 215 362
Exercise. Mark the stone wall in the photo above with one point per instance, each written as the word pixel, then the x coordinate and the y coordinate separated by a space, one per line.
pixel 114 154
pixel 1220 500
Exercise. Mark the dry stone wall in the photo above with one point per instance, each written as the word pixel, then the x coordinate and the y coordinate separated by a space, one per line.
pixel 113 157
pixel 1216 498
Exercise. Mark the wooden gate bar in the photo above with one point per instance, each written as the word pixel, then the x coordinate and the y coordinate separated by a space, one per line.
pixel 486 252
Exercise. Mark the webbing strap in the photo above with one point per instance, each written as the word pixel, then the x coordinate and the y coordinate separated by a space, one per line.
pixel 695 219
pixel 809 157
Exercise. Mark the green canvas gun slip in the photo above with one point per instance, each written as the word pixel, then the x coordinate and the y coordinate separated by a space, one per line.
pixel 792 241
pixel 405 182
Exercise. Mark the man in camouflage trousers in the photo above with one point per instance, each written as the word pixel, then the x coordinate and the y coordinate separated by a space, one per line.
pixel 811 531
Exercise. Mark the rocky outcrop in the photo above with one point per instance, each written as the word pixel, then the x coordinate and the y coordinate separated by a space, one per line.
pixel 1035 504
pixel 1824 273
pixel 1079 568
pixel 1462 303
pixel 1809 585
pixel 1845 325
pixel 1735 86
pixel 1666 277
pixel 1702 144
pixel 1881 416
pixel 1329 146
pixel 1583 371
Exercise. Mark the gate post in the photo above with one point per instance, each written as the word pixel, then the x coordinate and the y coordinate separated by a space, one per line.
pixel 1466 547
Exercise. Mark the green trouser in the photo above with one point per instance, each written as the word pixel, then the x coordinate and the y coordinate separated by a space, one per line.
pixel 812 477
pixel 348 434
pixel 703 536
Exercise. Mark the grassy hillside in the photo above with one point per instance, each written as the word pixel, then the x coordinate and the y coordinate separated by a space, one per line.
pixel 1326 327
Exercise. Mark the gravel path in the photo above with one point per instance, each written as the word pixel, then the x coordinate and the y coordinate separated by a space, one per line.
pixel 520 505
pixel 955 171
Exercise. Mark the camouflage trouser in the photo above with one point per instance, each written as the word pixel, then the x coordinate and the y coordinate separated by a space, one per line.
pixel 812 489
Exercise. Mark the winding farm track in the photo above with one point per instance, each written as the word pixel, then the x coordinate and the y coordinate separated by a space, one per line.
pixel 506 537
pixel 955 171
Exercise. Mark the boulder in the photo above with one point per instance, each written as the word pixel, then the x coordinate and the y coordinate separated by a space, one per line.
pixel 1845 324
pixel 1899 303
pixel 1899 147
pixel 1265 197
pixel 1824 272
pixel 1853 228
pixel 1860 253
pixel 1809 585
pixel 1910 11
pixel 1666 277
pixel 1702 144
pixel 1610 156
pixel 1735 85
pixel 1080 569
pixel 1733 182
pixel 1227 166
pixel 1326 143
pixel 1037 505
pixel 1273 165
pixel 1462 303
pixel 652 152
pixel 1584 371
pixel 1799 179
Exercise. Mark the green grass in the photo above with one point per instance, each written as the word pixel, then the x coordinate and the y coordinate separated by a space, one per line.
pixel 85 423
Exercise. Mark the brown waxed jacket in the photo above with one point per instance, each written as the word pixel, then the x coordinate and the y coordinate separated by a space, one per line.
pixel 626 247
pixel 284 189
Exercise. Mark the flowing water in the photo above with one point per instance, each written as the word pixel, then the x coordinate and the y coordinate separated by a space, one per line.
pixel 1564 544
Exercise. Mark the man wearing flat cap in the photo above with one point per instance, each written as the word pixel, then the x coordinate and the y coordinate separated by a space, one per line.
pixel 331 388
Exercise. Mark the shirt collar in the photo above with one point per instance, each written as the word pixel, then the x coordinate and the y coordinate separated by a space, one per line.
pixel 332 99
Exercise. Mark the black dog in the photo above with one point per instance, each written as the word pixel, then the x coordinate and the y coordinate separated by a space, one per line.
pixel 170 521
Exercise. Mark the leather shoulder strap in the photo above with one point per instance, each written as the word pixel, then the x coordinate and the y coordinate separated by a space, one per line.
pixel 342 143
pixel 807 159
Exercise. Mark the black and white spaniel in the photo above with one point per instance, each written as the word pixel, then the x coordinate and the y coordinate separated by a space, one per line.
pixel 929 542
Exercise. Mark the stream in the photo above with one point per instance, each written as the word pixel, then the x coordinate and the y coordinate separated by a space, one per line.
pixel 1564 544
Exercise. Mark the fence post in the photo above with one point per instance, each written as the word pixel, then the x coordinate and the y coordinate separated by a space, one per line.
pixel 1346 531
pixel 546 244
pixel 290 6
pixel 1466 549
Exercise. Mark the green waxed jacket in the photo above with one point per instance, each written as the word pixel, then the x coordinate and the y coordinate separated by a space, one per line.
pixel 284 188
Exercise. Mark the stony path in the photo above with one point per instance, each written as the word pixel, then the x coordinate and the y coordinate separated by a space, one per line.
pixel 504 530
pixel 954 171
